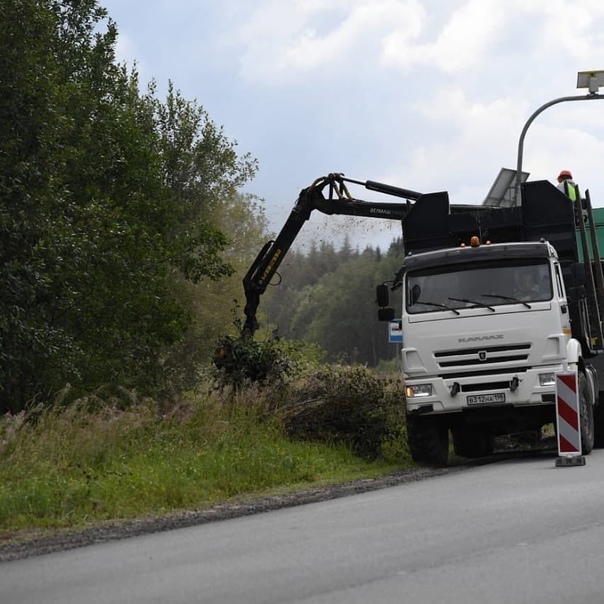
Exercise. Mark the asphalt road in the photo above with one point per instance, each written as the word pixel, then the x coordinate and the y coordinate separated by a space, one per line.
pixel 516 531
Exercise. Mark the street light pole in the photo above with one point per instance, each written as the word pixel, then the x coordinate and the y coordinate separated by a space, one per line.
pixel 592 80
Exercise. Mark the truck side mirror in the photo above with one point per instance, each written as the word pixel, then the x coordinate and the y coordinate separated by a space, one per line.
pixel 385 314
pixel 382 295
pixel 383 299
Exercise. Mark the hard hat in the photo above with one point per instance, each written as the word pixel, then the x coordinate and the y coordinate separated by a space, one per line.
pixel 564 174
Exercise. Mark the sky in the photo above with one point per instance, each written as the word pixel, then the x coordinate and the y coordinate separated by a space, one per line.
pixel 428 95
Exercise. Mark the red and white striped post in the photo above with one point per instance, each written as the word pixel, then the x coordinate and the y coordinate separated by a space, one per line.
pixel 568 420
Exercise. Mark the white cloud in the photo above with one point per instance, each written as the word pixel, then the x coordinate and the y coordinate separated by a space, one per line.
pixel 365 21
pixel 572 27
pixel 284 40
pixel 471 36
pixel 424 94
pixel 460 45
pixel 480 134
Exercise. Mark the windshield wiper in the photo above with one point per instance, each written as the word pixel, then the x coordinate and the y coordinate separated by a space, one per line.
pixel 510 298
pixel 438 306
pixel 475 302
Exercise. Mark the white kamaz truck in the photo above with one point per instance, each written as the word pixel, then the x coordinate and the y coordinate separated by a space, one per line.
pixel 493 301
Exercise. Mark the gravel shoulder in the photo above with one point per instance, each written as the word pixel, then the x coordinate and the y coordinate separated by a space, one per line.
pixel 24 544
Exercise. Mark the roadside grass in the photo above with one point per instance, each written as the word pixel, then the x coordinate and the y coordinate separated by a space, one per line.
pixel 95 460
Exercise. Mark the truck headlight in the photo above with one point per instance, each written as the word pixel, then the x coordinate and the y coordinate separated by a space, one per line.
pixel 547 379
pixel 418 390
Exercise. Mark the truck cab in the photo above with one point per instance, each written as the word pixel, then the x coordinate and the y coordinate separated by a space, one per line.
pixel 486 326
pixel 495 302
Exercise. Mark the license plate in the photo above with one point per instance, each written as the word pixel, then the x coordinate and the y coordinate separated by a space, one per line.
pixel 486 399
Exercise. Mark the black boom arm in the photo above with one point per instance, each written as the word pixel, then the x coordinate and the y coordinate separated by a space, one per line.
pixel 329 195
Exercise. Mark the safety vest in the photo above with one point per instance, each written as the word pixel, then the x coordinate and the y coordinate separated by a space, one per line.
pixel 570 188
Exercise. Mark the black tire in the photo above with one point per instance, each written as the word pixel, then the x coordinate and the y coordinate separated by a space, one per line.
pixel 428 442
pixel 472 443
pixel 599 422
pixel 586 412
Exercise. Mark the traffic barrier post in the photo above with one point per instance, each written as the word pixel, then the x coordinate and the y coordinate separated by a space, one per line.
pixel 568 420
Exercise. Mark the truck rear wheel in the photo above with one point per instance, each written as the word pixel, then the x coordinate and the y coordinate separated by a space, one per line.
pixel 428 442
pixel 586 411
pixel 599 422
pixel 469 442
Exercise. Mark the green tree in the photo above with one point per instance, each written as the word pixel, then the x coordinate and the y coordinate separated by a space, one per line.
pixel 105 204
pixel 201 169
pixel 339 312
pixel 299 273
pixel 217 305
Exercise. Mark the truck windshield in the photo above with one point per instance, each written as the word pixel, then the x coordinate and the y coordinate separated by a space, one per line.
pixel 478 286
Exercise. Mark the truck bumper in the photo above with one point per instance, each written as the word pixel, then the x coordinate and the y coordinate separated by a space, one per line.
pixel 455 394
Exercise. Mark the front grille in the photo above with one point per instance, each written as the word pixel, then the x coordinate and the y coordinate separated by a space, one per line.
pixel 483 386
pixel 483 357
pixel 472 362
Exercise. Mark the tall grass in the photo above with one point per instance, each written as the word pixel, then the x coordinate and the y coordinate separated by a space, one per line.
pixel 91 461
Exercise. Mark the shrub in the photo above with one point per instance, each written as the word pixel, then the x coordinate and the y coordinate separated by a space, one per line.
pixel 272 361
pixel 350 405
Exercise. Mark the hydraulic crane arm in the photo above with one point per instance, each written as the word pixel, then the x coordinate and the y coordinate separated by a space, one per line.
pixel 329 195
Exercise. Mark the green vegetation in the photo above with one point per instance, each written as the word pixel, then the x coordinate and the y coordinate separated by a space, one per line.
pixel 328 297
pixel 110 209
pixel 93 460
pixel 123 231
pixel 124 236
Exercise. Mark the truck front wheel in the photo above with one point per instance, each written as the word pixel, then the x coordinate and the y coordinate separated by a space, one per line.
pixel 428 442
